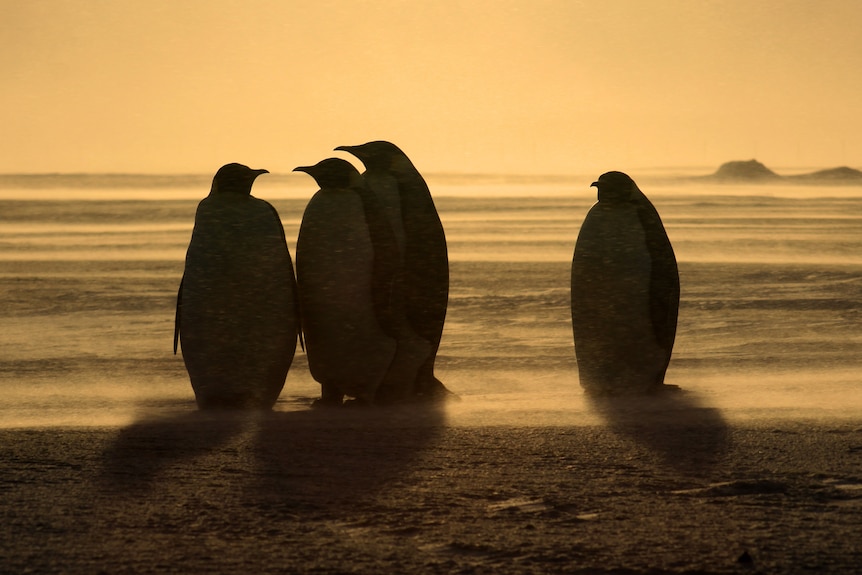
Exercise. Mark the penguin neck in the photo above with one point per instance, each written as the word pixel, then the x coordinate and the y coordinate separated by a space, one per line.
pixel 615 198
pixel 231 196
pixel 613 204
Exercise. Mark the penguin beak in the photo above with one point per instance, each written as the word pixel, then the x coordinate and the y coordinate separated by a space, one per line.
pixel 259 172
pixel 594 185
pixel 350 150
pixel 306 169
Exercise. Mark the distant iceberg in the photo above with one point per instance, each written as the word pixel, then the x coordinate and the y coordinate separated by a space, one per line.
pixel 842 174
pixel 752 171
pixel 741 170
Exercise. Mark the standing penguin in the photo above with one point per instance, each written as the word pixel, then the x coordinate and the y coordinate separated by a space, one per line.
pixel 422 242
pixel 625 292
pixel 237 308
pixel 348 265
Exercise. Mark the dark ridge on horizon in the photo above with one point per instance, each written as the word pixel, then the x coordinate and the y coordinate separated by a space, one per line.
pixel 107 181
pixel 752 171
pixel 832 174
pixel 118 180
pixel 143 181
pixel 748 171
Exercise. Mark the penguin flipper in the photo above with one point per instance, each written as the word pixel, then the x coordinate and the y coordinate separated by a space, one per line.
pixel 296 307
pixel 664 281
pixel 177 316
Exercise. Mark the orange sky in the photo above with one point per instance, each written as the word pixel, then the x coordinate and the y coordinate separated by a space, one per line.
pixel 515 86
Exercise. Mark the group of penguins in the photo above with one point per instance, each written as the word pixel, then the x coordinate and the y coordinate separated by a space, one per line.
pixel 368 298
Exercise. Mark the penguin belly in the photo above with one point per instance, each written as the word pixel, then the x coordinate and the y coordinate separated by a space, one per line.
pixel 238 317
pixel 345 343
pixel 615 342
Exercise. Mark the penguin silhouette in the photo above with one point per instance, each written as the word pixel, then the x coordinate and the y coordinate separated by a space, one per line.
pixel 237 316
pixel 421 239
pixel 348 267
pixel 625 292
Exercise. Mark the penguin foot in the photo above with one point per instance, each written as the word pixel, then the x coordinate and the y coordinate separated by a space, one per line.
pixel 666 388
pixel 436 392
pixel 233 403
pixel 330 396
pixel 609 391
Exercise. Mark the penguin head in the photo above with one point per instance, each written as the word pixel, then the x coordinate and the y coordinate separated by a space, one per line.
pixel 333 173
pixel 376 155
pixel 234 179
pixel 615 188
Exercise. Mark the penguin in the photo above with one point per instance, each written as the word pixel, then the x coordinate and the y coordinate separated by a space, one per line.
pixel 237 316
pixel 348 267
pixel 422 244
pixel 624 292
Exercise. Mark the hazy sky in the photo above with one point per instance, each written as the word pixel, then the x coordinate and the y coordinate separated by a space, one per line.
pixel 516 86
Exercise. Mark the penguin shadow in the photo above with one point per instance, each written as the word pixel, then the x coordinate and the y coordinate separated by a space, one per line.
pixel 280 461
pixel 330 457
pixel 686 434
pixel 149 446
pixel 300 458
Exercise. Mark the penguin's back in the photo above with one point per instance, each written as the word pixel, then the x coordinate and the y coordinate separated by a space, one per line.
pixel 615 343
pixel 426 261
pixel 664 287
pixel 238 317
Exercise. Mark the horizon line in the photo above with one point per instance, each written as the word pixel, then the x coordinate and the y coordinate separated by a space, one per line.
pixel 436 173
